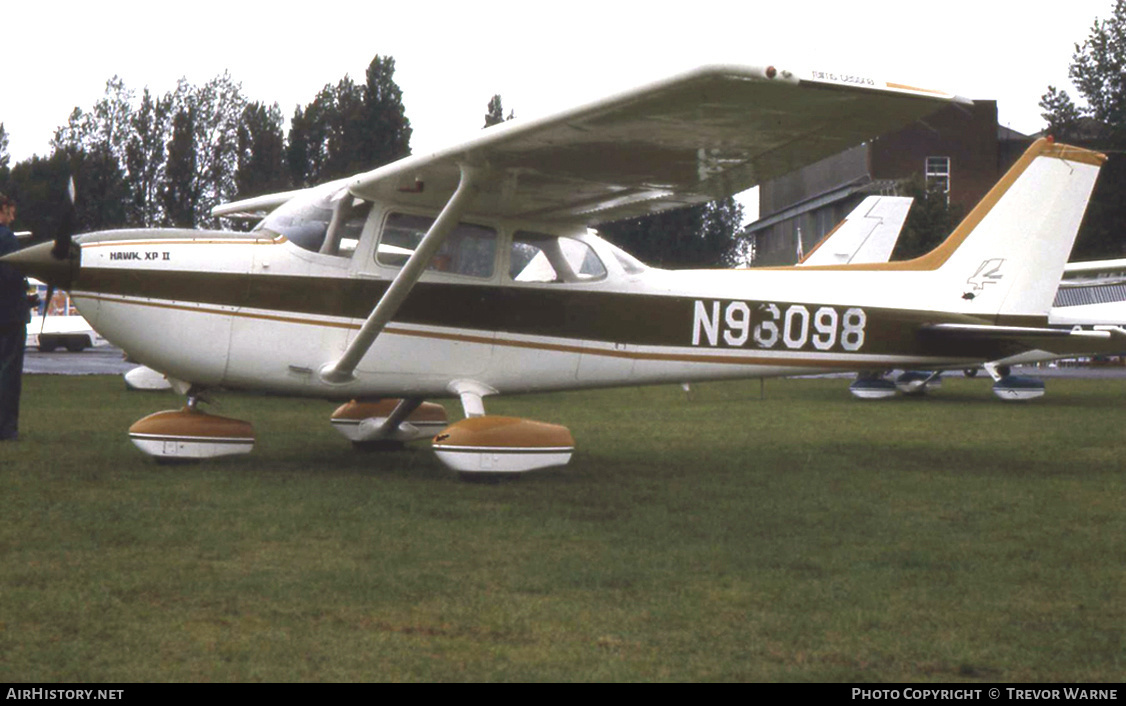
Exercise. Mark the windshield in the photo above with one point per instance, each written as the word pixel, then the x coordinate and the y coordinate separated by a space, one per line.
pixel 306 220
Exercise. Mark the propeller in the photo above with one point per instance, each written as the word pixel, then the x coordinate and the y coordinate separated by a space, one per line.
pixel 63 242
pixel 62 247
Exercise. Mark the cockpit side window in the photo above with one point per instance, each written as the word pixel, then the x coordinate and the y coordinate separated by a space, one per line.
pixel 469 250
pixel 536 257
pixel 326 222
pixel 348 219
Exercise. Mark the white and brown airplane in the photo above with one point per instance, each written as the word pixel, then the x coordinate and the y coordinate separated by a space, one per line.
pixel 473 272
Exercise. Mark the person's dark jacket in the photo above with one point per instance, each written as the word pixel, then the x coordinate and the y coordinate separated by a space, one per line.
pixel 13 287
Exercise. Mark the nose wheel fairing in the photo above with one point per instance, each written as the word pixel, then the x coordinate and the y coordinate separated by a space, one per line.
pixel 189 435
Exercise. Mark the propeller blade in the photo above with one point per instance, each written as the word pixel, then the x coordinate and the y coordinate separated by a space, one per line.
pixel 46 308
pixel 61 250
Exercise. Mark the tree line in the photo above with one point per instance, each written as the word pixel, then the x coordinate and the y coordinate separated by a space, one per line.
pixel 164 161
pixel 146 161
pixel 1098 71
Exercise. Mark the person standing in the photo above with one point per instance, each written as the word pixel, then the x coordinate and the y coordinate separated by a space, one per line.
pixel 14 317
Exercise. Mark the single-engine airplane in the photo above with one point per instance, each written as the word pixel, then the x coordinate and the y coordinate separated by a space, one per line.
pixel 472 272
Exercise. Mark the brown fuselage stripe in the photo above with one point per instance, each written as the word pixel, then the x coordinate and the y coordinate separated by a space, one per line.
pixel 609 318
pixel 514 343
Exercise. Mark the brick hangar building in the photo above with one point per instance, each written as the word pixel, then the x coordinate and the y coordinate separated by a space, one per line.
pixel 961 148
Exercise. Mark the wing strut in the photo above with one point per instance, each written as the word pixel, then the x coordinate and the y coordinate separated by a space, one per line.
pixel 342 371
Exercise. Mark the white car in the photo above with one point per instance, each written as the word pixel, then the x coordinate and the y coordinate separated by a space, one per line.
pixel 62 327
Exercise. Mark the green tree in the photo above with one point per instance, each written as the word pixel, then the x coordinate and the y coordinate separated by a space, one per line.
pixel 1060 113
pixel 93 146
pixel 347 147
pixel 105 128
pixel 304 151
pixel 494 114
pixel 202 150
pixel 930 220
pixel 261 151
pixel 5 158
pixel 349 128
pixel 178 195
pixel 1098 70
pixel 101 190
pixel 39 185
pixel 144 159
pixel 387 128
pixel 218 106
pixel 692 237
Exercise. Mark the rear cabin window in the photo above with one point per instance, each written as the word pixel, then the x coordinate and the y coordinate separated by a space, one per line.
pixel 536 257
pixel 469 250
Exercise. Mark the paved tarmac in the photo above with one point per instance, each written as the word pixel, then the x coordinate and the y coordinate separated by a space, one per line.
pixel 100 360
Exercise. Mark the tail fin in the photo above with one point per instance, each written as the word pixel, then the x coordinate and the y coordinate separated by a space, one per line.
pixel 1007 256
pixel 868 234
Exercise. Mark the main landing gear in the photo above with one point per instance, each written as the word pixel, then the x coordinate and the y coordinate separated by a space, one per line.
pixel 1013 388
pixel 387 424
pixel 874 386
pixel 479 445
pixel 1006 386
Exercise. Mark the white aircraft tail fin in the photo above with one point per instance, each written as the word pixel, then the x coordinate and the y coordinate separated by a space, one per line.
pixel 868 234
pixel 1006 257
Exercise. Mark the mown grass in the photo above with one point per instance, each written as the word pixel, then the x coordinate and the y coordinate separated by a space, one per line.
pixel 799 536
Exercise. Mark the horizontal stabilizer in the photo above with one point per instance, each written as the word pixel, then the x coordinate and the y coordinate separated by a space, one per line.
pixel 1094 273
pixel 980 331
pixel 1058 341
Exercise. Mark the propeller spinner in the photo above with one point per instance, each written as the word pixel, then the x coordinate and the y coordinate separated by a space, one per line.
pixel 55 263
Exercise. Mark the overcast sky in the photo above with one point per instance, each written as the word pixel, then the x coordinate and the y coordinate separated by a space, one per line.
pixel 451 57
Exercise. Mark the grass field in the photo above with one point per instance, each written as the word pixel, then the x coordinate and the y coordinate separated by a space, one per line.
pixel 800 535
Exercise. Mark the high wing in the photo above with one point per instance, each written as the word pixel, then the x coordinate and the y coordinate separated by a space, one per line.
pixel 702 135
pixel 254 208
pixel 1094 272
pixel 1092 293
